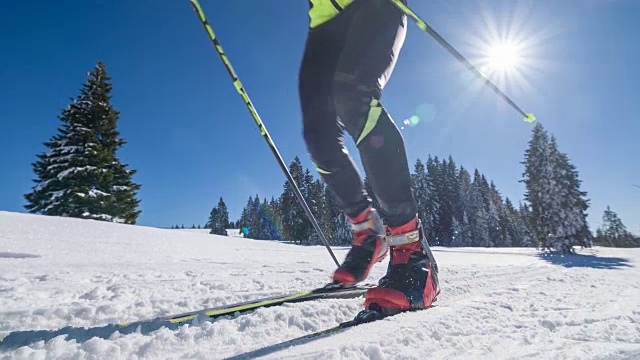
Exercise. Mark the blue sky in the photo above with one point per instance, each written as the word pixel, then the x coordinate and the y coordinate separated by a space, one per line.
pixel 192 140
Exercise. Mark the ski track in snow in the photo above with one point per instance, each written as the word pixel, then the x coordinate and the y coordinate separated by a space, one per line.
pixel 495 304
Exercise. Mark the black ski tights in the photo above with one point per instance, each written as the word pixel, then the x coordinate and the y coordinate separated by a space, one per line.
pixel 347 61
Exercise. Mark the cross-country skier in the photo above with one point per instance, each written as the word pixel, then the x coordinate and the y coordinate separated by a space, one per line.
pixel 351 49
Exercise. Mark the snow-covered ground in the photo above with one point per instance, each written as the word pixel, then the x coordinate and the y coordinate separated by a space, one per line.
pixel 495 303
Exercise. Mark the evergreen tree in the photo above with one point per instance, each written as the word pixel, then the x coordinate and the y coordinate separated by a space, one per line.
pixel 340 226
pixel 81 175
pixel 342 230
pixel 424 193
pixel 462 234
pixel 571 225
pixel 540 191
pixel 448 198
pixel 264 231
pixel 251 219
pixel 525 237
pixel 613 232
pixel 494 232
pixel 274 207
pixel 558 206
pixel 444 215
pixel 478 210
pixel 508 224
pixel 269 227
pixel 432 210
pixel 494 210
pixel 316 200
pixel 257 219
pixel 218 219
pixel 294 220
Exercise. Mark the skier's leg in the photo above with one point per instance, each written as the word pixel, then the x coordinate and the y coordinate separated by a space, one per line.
pixel 373 42
pixel 323 134
pixel 376 34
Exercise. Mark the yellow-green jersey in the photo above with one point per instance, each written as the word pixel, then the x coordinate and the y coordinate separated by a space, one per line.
pixel 321 11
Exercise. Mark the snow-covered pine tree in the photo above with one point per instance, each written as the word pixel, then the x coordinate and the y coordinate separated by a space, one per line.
pixel 325 216
pixel 340 227
pixel 316 200
pixel 462 234
pixel 342 230
pixel 571 227
pixel 494 209
pixel 494 233
pixel 425 197
pixel 524 235
pixel 218 219
pixel 613 232
pixel 432 229
pixel 255 220
pixel 448 199
pixel 246 217
pixel 540 190
pixel 81 176
pixel 274 207
pixel 558 206
pixel 461 226
pixel 444 227
pixel 478 216
pixel 508 221
pixel 294 219
pixel 265 223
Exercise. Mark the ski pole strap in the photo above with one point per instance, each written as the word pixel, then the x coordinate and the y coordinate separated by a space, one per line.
pixel 403 239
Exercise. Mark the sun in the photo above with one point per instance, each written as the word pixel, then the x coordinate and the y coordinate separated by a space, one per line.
pixel 503 56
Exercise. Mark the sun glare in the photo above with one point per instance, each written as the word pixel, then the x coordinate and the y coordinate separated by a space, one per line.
pixel 503 56
pixel 504 46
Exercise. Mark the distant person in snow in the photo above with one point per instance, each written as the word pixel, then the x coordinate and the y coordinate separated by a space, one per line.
pixel 351 49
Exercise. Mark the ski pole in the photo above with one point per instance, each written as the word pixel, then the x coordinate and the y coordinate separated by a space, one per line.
pixel 256 117
pixel 426 28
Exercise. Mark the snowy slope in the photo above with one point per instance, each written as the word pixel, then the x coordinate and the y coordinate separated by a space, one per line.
pixel 496 303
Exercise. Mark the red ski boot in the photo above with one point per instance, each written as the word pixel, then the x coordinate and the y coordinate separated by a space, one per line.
pixel 368 247
pixel 411 282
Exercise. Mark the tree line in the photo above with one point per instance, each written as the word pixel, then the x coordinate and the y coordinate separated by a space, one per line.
pixel 457 207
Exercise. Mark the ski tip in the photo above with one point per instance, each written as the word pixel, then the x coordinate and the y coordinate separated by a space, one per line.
pixel 530 118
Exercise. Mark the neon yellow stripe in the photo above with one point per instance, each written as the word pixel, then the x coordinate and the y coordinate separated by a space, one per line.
pixel 239 308
pixel 344 3
pixel 421 24
pixel 322 171
pixel 323 10
pixel 372 119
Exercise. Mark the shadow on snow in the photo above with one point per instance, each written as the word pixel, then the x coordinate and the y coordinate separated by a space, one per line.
pixel 585 261
pixel 17 339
